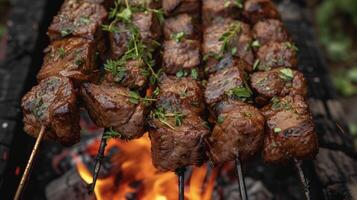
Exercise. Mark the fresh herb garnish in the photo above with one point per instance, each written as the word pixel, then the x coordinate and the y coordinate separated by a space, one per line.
pixel 241 92
pixel 292 46
pixel 178 36
pixel 256 64
pixel 65 32
pixel 255 44
pixel 194 73
pixel 162 116
pixel 181 73
pixel 229 37
pixel 286 74
pixel 83 21
pixel 220 119
pixel 277 130
pixel 110 134
pixel 277 104
pixel 79 61
pixel 61 52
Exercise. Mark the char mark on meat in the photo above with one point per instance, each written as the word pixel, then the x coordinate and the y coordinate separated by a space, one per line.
pixel 176 134
pixel 174 7
pixel 270 30
pixel 239 131
pixel 274 55
pixel 290 130
pixel 277 82
pixel 115 107
pixel 258 10
pixel 70 57
pixel 53 104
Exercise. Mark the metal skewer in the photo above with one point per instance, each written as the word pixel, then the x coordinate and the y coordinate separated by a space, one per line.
pixel 27 171
pixel 98 162
pixel 181 182
pixel 241 181
pixel 303 179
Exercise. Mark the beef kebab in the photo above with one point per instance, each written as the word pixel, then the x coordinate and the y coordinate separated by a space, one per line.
pixel 119 102
pixel 177 128
pixel 281 89
pixel 238 132
pixel 51 106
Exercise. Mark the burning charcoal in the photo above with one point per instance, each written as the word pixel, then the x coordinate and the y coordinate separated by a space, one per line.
pixel 52 104
pixel 81 19
pixel 71 57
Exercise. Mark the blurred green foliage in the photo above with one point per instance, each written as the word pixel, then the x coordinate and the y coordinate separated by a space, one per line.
pixel 337 21
pixel 345 81
pixel 2 30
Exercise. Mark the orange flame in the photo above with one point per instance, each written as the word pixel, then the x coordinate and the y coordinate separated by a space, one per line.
pixel 133 166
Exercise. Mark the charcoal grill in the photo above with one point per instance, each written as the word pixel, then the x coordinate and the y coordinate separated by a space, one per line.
pixel 333 173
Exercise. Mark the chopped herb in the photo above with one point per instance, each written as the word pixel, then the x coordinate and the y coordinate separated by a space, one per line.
pixel 65 32
pixel 162 115
pixel 194 73
pixel 286 74
pixel 213 55
pixel 156 92
pixel 181 74
pixel 256 64
pixel 228 37
pixel 276 104
pixel 178 36
pixel 234 51
pixel 79 61
pixel 239 3
pixel 290 45
pixel 110 28
pixel 277 130
pixel 84 20
pixel 255 44
pixel 220 119
pixel 134 97
pixel 61 52
pixel 247 114
pixel 241 92
pixel 125 15
pixel 110 134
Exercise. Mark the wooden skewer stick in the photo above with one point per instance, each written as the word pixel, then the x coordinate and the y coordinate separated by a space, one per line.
pixel 241 181
pixel 181 182
pixel 27 171
pixel 98 162
pixel 303 179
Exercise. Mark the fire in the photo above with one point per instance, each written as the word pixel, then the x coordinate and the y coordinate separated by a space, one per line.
pixel 134 175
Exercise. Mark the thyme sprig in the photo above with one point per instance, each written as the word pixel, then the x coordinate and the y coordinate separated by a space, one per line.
pixel 162 115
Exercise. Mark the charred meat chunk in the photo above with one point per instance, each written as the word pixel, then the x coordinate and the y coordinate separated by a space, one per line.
pixel 228 82
pixel 212 9
pixel 53 104
pixel 147 25
pixel 189 90
pixel 133 74
pixel 226 36
pixel 257 10
pixel 270 30
pixel 278 83
pixel 80 19
pixel 181 55
pixel 182 26
pixel 152 4
pixel 174 7
pixel 290 130
pixel 239 131
pixel 177 135
pixel 274 55
pixel 70 57
pixel 115 107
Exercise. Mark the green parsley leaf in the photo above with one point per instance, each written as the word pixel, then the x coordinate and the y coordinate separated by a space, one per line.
pixel 255 44
pixel 286 74
pixel 178 36
pixel 194 73
pixel 240 93
pixel 220 119
pixel 110 134
pixel 234 51
pixel 277 130
pixel 181 74
pixel 134 97
pixel 256 64
pixel 125 14
pixel 65 32
pixel 61 52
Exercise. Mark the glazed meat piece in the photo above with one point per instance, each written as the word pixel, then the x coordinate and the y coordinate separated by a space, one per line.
pixel 237 34
pixel 81 19
pixel 53 104
pixel 213 65
pixel 153 4
pixel 270 30
pixel 69 57
pixel 223 83
pixel 148 25
pixel 133 75
pixel 274 55
pixel 239 131
pixel 174 7
pixel 258 10
pixel 115 107
pixel 212 9
pixel 278 82
pixel 182 26
pixel 189 90
pixel 290 130
pixel 176 134
pixel 181 55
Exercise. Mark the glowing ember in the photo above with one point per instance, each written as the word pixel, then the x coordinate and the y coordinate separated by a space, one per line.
pixel 135 175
